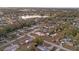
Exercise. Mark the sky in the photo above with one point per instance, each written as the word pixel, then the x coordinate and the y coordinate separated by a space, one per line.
pixel 39 3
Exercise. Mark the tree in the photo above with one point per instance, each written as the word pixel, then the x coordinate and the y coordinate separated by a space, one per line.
pixel 38 40
pixel 32 47
pixel 51 31
pixel 8 29
pixel 2 31
pixel 69 30
pixel 76 41
pixel 77 38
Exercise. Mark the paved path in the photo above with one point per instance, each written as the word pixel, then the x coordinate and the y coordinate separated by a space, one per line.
pixel 10 42
pixel 60 47
pixel 11 48
pixel 29 34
